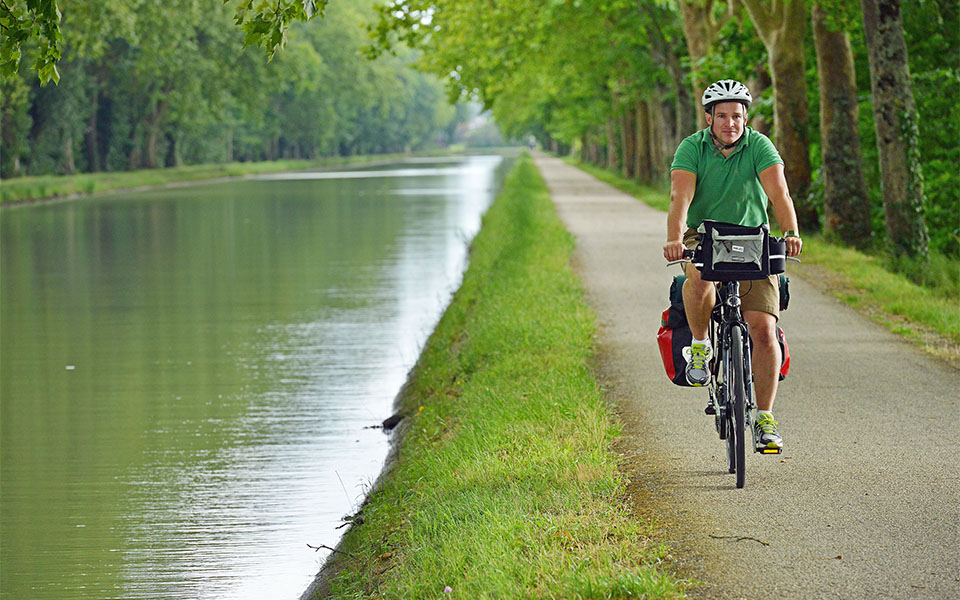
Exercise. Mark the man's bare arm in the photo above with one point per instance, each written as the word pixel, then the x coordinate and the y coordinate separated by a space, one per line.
pixel 775 185
pixel 682 186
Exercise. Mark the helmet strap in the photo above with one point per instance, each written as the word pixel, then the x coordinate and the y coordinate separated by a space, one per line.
pixel 721 145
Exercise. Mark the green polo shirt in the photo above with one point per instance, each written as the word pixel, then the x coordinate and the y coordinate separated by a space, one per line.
pixel 728 189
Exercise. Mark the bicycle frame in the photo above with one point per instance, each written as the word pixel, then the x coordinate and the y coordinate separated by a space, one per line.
pixel 726 315
pixel 727 328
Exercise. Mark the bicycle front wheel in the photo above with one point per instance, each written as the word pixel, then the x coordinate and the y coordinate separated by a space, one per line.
pixel 737 391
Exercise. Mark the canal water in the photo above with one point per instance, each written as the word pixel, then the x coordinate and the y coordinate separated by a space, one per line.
pixel 188 376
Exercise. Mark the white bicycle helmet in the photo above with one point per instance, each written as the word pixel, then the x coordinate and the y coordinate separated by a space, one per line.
pixel 726 90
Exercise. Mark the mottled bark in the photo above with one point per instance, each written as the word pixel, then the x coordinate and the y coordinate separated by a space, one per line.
pixel 895 119
pixel 846 205
pixel 663 51
pixel 700 28
pixel 758 82
pixel 781 25
pixel 657 150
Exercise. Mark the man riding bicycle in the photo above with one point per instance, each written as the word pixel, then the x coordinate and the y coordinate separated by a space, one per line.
pixel 727 172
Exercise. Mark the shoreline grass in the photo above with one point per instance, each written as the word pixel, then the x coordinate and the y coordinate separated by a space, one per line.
pixel 41 188
pixel 505 483
pixel 928 316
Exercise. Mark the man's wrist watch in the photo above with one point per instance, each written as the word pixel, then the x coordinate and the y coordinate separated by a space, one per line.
pixel 791 233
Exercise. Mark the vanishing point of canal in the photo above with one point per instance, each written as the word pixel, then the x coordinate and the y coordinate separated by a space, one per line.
pixel 188 376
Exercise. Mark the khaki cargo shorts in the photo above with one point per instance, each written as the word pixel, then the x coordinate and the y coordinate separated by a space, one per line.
pixel 762 295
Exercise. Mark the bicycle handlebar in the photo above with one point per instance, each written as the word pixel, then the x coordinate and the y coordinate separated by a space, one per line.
pixel 688 254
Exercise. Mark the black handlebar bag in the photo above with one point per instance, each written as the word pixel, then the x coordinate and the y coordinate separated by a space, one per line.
pixel 729 252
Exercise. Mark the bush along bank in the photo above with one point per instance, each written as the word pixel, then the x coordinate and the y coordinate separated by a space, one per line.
pixel 504 483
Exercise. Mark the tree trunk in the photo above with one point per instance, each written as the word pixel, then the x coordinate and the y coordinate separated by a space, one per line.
pixel 895 118
pixel 845 202
pixel 154 122
pixel 229 141
pixel 663 50
pixel 758 82
pixel 611 144
pixel 172 158
pixel 781 25
pixel 93 141
pixel 136 149
pixel 656 122
pixel 69 165
pixel 152 154
pixel 628 131
pixel 700 28
pixel 643 169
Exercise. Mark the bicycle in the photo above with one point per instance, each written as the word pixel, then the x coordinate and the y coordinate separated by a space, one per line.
pixel 731 382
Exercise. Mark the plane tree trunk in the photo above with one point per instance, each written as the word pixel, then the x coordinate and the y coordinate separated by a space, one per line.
pixel 895 118
pixel 845 202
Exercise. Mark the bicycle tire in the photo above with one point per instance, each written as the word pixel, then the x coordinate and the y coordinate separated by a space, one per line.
pixel 738 399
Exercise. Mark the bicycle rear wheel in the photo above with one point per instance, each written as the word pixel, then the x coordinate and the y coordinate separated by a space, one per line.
pixel 738 399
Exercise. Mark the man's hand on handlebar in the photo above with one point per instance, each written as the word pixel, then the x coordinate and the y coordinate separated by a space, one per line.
pixel 794 245
pixel 673 250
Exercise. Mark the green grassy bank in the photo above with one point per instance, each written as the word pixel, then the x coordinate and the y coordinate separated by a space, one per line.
pixel 505 484
pixel 928 315
pixel 42 187
pixel 45 187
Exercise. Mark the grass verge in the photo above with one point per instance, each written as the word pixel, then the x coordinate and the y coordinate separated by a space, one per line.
pixel 505 484
pixel 927 315
pixel 44 187
pixel 41 187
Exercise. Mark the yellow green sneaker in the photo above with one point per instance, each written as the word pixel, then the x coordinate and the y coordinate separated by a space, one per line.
pixel 766 434
pixel 698 364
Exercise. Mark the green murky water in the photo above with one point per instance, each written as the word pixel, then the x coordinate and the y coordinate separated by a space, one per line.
pixel 186 375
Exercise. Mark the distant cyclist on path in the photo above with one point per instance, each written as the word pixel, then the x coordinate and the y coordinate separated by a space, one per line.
pixel 726 172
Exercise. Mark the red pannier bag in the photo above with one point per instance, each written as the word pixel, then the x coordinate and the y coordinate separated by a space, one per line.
pixel 674 335
pixel 784 354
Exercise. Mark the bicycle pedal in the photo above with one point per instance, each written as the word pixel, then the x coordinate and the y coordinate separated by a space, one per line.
pixel 710 410
pixel 769 450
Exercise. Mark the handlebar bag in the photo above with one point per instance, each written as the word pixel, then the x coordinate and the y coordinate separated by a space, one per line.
pixel 729 252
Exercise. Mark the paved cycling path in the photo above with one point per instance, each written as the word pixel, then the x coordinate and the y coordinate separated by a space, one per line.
pixel 865 500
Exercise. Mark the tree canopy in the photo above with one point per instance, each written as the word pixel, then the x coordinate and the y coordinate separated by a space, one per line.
pixel 616 81
pixel 265 22
pixel 619 82
pixel 154 84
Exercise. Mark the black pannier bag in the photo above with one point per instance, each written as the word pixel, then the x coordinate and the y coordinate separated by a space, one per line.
pixel 735 252
pixel 784 292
